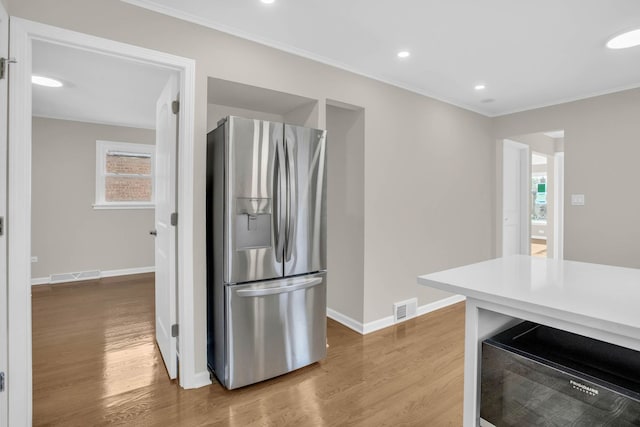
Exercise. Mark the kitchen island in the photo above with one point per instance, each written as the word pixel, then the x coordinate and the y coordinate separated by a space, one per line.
pixel 597 301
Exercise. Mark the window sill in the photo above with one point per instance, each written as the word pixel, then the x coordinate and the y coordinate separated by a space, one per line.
pixel 124 206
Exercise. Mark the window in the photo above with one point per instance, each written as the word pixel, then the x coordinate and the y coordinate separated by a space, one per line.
pixel 124 175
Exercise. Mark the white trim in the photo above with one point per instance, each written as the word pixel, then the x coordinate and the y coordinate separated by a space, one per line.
pixel 437 305
pixel 107 273
pixel 345 320
pixel 376 325
pixel 128 271
pixel 127 206
pixel 189 376
pixel 40 281
pixel 4 95
pixel 566 100
pixel 23 32
pixel 385 322
pixel 19 379
pixel 200 379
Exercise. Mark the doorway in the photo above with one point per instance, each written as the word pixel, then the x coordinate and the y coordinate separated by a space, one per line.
pixel 24 36
pixel 539 204
pixel 96 184
pixel 533 194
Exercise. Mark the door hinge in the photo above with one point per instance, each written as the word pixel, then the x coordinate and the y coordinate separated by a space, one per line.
pixel 3 65
pixel 1 381
pixel 174 219
pixel 175 107
pixel 174 330
pixel 1 226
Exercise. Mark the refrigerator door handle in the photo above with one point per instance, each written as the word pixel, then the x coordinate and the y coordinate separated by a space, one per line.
pixel 279 181
pixel 294 286
pixel 292 199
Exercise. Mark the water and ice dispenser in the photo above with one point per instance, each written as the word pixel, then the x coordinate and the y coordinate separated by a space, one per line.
pixel 253 223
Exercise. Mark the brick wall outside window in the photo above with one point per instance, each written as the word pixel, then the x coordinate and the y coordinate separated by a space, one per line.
pixel 127 189
pixel 124 174
pixel 128 164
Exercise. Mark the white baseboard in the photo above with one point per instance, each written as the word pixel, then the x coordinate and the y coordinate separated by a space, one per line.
pixel 437 305
pixel 345 320
pixel 128 271
pixel 385 322
pixel 107 273
pixel 40 281
pixel 376 325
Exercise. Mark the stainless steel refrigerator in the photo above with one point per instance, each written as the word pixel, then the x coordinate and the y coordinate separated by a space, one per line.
pixel 266 249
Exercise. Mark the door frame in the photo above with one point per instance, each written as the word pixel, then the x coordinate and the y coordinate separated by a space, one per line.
pixel 4 90
pixel 23 32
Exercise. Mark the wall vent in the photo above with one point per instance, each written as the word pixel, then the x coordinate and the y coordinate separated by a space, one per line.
pixel 404 310
pixel 74 277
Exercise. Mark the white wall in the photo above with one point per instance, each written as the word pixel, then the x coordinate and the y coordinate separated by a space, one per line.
pixel 68 235
pixel 428 166
pixel 602 149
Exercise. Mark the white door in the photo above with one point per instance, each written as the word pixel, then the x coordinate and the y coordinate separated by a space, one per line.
pixel 515 202
pixel 4 53
pixel 166 233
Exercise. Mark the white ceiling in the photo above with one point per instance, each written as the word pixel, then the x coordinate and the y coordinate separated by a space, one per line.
pixel 97 88
pixel 538 159
pixel 528 53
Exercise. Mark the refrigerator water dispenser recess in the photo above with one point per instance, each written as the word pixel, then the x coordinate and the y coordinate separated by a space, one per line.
pixel 253 223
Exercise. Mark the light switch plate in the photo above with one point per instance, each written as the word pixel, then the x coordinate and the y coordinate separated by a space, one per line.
pixel 34 259
pixel 577 199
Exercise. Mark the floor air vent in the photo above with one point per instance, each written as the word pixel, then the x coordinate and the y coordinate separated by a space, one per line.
pixel 404 310
pixel 74 277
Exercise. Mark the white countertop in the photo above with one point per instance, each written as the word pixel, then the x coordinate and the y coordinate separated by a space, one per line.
pixel 603 296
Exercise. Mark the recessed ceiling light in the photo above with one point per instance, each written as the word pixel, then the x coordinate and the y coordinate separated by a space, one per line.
pixel 45 81
pixel 480 87
pixel 625 40
pixel 267 1
pixel 404 54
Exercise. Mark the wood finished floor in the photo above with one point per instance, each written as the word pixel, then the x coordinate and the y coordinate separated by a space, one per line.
pixel 95 363
pixel 539 248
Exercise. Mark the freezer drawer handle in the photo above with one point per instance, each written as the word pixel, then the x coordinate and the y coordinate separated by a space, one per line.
pixel 295 286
